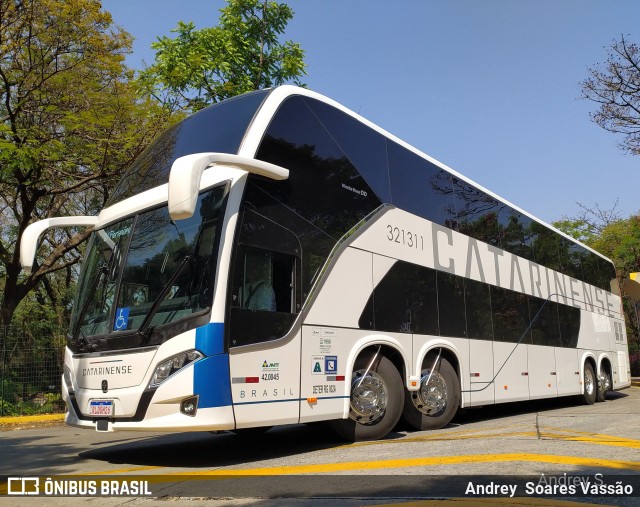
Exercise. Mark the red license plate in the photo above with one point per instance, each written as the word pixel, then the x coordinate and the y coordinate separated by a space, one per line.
pixel 102 408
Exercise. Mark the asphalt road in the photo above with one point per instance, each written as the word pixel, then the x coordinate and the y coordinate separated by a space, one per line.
pixel 503 446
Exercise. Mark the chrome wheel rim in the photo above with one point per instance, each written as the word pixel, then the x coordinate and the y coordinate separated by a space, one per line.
pixel 431 399
pixel 368 396
pixel 588 381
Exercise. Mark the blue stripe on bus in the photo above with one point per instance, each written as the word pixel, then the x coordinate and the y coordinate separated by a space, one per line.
pixel 211 381
pixel 210 339
pixel 211 377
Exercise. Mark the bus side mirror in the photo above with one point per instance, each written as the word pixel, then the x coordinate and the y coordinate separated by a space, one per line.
pixel 31 235
pixel 186 173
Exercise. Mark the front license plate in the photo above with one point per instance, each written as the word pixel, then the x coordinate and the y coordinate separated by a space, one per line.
pixel 101 408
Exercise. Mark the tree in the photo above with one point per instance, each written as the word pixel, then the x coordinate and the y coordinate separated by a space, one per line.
pixel 615 86
pixel 70 122
pixel 589 224
pixel 243 53
pixel 620 241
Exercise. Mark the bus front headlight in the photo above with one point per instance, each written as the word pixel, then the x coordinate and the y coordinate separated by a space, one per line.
pixel 172 365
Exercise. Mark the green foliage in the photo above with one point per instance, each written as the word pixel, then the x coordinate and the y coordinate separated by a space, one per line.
pixel 243 53
pixel 577 228
pixel 52 404
pixel 621 242
pixel 618 239
pixel 70 122
pixel 43 319
pixel 590 222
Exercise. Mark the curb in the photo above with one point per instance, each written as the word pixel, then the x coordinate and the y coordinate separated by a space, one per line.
pixel 28 419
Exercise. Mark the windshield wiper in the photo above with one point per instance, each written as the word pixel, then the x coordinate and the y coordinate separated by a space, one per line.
pixel 146 330
pixel 104 270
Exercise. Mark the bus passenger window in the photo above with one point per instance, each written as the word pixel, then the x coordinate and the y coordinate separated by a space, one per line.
pixel 263 298
pixel 265 281
pixel 257 290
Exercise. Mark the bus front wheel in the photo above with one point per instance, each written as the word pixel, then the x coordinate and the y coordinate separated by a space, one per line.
pixel 376 400
pixel 436 402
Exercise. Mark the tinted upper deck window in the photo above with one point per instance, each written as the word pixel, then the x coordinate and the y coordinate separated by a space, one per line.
pixel 218 128
pixel 515 233
pixel 420 187
pixel 546 247
pixel 607 273
pixel 364 147
pixel 323 186
pixel 477 212
pixel 571 258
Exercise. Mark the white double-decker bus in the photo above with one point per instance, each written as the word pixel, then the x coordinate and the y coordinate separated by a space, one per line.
pixel 277 259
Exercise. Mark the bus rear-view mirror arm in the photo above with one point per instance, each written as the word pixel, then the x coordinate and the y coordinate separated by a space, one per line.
pixel 186 172
pixel 31 235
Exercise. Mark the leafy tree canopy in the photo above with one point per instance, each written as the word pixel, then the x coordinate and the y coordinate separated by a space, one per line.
pixel 619 240
pixel 590 222
pixel 241 54
pixel 70 121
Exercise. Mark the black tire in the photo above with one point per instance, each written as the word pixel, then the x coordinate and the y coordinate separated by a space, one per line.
pixel 442 416
pixel 358 427
pixel 589 385
pixel 604 384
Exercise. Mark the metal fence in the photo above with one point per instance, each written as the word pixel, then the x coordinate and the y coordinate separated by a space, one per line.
pixel 30 375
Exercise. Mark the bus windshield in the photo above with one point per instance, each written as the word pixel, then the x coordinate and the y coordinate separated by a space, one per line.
pixel 146 271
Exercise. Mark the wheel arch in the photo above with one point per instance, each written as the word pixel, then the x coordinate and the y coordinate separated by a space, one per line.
pixel 588 358
pixel 390 350
pixel 605 363
pixel 448 351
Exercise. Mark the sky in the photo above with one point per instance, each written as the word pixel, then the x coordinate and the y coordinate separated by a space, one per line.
pixel 490 88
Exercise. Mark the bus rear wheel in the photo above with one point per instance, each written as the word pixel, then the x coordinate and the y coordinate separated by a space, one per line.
pixel 436 402
pixel 604 384
pixel 376 400
pixel 589 385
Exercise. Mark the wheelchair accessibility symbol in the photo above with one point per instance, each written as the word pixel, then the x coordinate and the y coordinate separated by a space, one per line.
pixel 122 319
